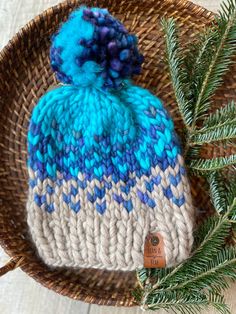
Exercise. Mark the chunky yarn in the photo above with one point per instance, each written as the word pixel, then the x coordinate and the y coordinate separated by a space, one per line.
pixel 105 165
pixel 94 48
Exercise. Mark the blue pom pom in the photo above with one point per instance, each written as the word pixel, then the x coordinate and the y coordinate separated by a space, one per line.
pixel 94 48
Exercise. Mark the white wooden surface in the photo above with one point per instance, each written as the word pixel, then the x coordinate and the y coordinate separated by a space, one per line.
pixel 19 294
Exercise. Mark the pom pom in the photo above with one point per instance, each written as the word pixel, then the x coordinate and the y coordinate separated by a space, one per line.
pixel 94 48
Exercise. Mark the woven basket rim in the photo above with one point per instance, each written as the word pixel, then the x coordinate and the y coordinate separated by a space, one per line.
pixel 12 43
pixel 27 27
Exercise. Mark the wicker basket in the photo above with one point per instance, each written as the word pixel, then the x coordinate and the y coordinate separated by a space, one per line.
pixel 26 76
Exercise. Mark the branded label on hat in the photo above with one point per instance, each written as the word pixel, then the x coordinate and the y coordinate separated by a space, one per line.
pixel 154 255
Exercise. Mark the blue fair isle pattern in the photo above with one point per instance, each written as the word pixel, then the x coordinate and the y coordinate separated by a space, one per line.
pixel 105 167
pixel 120 191
pixel 124 137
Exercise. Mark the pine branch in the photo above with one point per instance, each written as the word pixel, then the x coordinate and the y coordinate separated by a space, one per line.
pixel 223 47
pixel 213 275
pixel 202 166
pixel 218 126
pixel 176 69
pixel 197 60
pixel 226 132
pixel 218 302
pixel 187 303
pixel 210 236
pixel 217 192
pixel 198 55
pixel 221 116
pixel 231 196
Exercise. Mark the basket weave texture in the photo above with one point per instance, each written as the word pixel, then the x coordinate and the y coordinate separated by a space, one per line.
pixel 25 75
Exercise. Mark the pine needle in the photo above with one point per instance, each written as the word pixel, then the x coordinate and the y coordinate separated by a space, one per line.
pixel 221 117
pixel 223 46
pixel 203 166
pixel 218 126
pixel 176 70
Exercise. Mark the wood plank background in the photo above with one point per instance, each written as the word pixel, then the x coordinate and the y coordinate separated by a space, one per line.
pixel 19 294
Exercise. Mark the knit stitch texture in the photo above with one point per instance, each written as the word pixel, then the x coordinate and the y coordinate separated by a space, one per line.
pixel 105 166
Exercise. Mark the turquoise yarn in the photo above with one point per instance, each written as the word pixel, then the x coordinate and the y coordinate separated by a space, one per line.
pixel 88 125
pixel 93 48
pixel 68 38
pixel 71 116
pixel 104 162
pixel 86 111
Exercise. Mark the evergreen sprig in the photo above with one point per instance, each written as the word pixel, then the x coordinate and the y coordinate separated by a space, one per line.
pixel 226 132
pixel 218 126
pixel 221 117
pixel 196 71
pixel 218 190
pixel 177 72
pixel 210 59
pixel 222 46
pixel 188 303
pixel 206 165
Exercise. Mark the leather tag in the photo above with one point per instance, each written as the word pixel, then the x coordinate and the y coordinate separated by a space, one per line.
pixel 154 255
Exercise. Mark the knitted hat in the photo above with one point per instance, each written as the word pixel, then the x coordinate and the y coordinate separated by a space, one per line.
pixel 105 167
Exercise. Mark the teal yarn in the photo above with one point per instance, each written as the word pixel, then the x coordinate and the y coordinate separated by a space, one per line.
pixel 93 48
pixel 68 38
pixel 69 116
pixel 104 161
